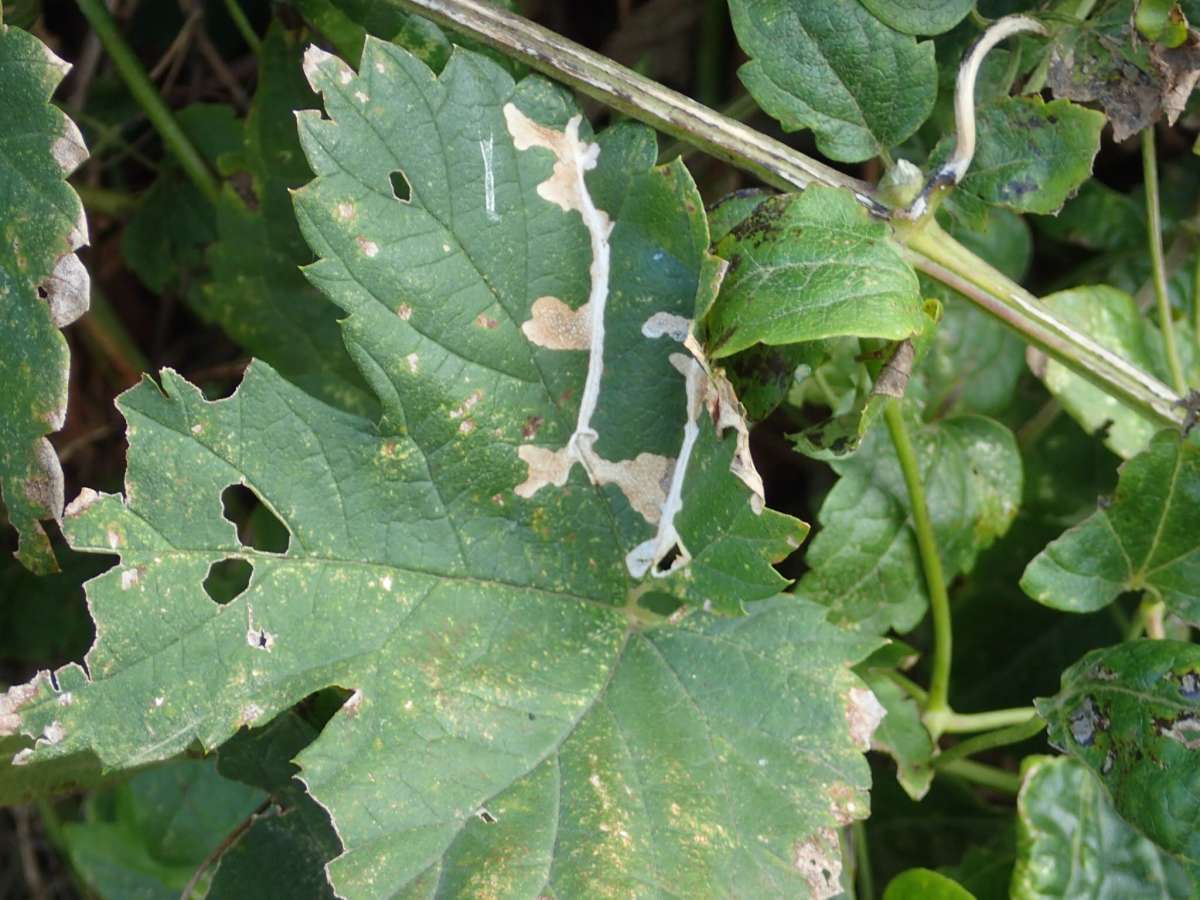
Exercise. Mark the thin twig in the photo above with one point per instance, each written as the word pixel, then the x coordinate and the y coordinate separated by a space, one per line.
pixel 1154 235
pixel 222 848
pixel 29 863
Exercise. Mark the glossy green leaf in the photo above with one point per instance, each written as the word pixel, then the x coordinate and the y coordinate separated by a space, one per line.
pixel 902 735
pixel 919 16
pixel 1147 538
pixel 925 884
pixel 1032 156
pixel 1111 318
pixel 43 285
pixel 146 838
pixel 864 564
pixel 520 717
pixel 831 66
pixel 1072 843
pixel 1131 713
pixel 810 266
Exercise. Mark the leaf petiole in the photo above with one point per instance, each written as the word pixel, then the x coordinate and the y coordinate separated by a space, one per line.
pixel 1013 734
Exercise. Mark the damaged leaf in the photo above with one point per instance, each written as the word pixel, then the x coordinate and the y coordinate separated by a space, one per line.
pixel 1032 156
pixel 1104 61
pixel 808 266
pixel 1131 714
pixel 43 285
pixel 831 66
pixel 1147 538
pixel 864 564
pixel 1071 842
pixel 524 717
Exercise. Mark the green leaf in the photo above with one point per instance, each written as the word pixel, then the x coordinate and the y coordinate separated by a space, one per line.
pixel 1146 539
pixel 520 717
pixel 147 837
pixel 43 285
pixel 902 735
pixel 1032 156
pixel 925 884
pixel 919 16
pixel 1072 843
pixel 256 291
pixel 831 66
pixel 864 563
pixel 1111 318
pixel 299 833
pixel 810 266
pixel 1131 713
pixel 1098 218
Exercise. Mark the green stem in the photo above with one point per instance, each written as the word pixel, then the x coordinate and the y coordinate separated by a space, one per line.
pixel 906 684
pixel 242 23
pixel 144 92
pixel 1013 734
pixel 988 776
pixel 1196 297
pixel 866 879
pixel 1154 235
pixel 1151 612
pixel 935 579
pixel 985 721
pixel 1031 432
pixel 739 109
pixel 938 255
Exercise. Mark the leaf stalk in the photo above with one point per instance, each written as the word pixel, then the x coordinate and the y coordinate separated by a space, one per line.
pixel 1013 734
pixel 931 562
pixel 1158 266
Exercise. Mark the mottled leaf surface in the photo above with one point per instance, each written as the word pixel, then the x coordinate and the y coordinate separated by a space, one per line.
pixel 808 266
pixel 518 721
pixel 831 66
pixel 864 564
pixel 43 285
pixel 1032 156
pixel 1131 713
pixel 1147 538
pixel 1071 842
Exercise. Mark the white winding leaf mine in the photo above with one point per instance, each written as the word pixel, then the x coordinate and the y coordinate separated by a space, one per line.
pixel 653 484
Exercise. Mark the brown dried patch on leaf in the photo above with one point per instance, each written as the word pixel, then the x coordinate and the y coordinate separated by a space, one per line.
pixel 564 187
pixel 819 861
pixel 556 326
pixel 12 701
pixel 640 479
pixel 863 714
pixel 546 467
pixel 1179 69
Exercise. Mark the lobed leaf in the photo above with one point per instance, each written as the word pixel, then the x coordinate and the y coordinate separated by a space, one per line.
pixel 1131 714
pixel 1072 843
pixel 1146 539
pixel 481 568
pixel 43 285
pixel 831 66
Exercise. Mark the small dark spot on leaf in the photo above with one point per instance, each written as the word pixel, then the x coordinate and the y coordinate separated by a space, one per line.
pixel 41 292
pixel 487 817
pixel 664 564
pixel 532 717
pixel 530 429
pixel 1189 686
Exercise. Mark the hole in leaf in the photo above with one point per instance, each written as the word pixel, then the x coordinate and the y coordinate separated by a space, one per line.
pixel 227 579
pixel 664 564
pixel 257 525
pixel 487 817
pixel 401 189
pixel 42 293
